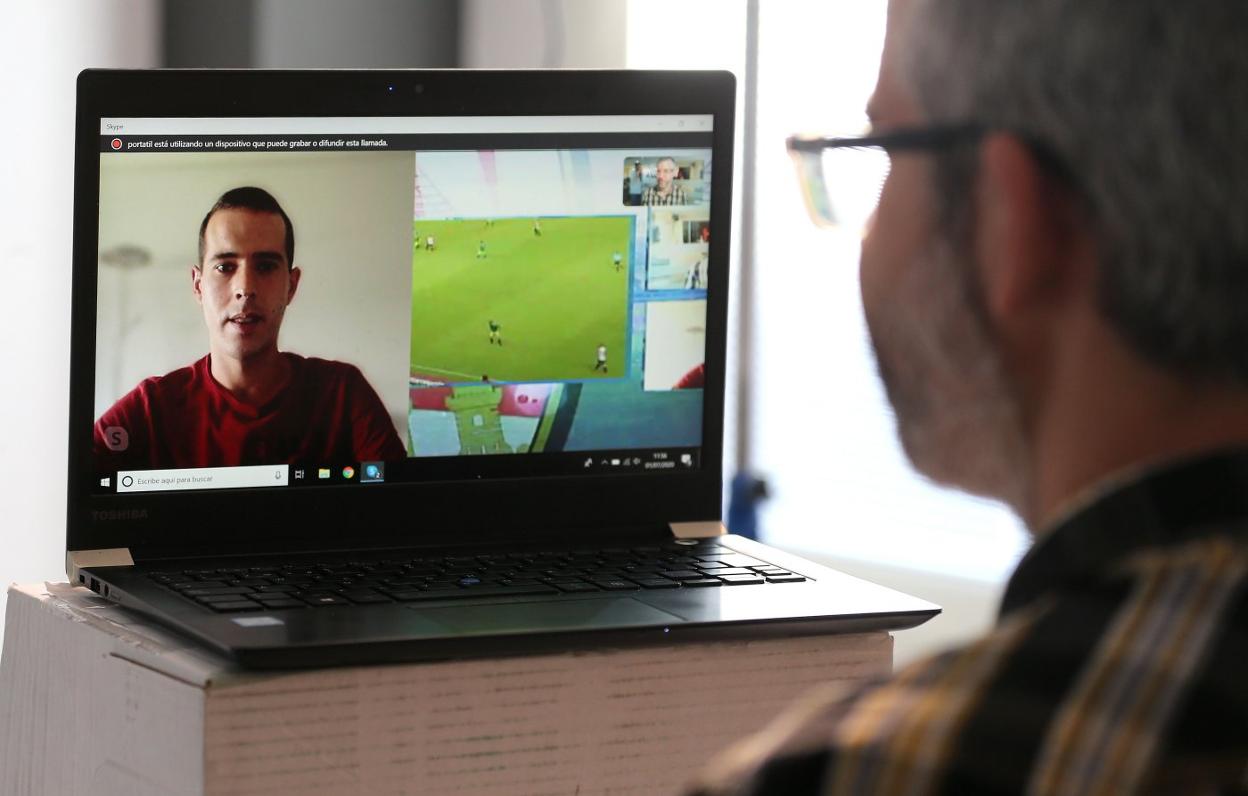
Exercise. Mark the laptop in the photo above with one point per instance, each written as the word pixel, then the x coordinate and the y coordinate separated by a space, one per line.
pixel 387 366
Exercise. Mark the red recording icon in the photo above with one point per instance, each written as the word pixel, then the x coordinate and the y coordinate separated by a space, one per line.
pixel 116 143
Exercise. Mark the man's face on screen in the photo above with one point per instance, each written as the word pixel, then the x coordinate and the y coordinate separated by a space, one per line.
pixel 244 282
pixel 666 172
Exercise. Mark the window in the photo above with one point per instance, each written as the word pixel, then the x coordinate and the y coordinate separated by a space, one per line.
pixel 822 429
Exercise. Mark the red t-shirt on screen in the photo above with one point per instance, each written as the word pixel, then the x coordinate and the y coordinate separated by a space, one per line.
pixel 327 413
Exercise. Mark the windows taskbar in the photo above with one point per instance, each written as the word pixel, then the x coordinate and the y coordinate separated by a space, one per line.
pixel 411 470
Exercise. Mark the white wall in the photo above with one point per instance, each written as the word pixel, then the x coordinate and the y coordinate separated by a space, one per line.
pixel 295 34
pixel 585 34
pixel 43 45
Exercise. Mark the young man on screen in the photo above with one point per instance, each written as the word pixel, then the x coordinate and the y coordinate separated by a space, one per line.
pixel 246 402
pixel 1055 284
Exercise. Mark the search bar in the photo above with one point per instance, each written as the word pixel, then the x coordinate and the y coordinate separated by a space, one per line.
pixel 203 478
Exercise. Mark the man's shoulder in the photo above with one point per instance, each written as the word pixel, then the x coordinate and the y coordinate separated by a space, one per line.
pixel 329 375
pixel 175 381
pixel 876 736
pixel 156 395
pixel 325 368
pixel 1029 704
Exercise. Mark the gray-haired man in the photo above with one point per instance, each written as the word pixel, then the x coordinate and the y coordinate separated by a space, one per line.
pixel 1056 284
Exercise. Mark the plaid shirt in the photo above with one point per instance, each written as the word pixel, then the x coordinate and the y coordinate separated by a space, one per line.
pixel 676 196
pixel 1119 664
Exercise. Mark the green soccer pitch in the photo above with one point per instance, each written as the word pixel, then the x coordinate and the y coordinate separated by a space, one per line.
pixel 556 297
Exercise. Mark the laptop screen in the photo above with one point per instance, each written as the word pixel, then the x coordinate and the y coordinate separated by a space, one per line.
pixel 339 301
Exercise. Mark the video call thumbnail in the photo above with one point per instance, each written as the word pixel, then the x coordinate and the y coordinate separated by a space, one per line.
pixel 271 338
pixel 662 180
pixel 679 249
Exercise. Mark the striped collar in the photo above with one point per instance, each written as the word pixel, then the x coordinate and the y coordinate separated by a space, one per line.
pixel 1178 503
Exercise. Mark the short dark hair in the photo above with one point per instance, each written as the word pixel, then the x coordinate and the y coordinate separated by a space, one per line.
pixel 257 200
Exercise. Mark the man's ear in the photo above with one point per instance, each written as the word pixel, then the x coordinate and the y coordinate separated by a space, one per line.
pixel 1024 238
pixel 197 274
pixel 295 274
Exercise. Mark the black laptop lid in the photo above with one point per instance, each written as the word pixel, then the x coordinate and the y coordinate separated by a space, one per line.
pixel 354 309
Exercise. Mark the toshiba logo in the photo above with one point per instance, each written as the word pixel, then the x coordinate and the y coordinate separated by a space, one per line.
pixel 118 515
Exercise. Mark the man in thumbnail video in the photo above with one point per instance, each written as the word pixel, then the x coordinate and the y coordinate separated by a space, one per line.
pixel 665 191
pixel 246 402
pixel 636 184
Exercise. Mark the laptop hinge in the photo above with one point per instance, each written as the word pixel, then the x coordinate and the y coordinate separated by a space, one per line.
pixel 698 530
pixel 111 557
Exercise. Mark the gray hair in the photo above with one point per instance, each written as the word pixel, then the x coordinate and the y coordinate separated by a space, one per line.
pixel 1146 105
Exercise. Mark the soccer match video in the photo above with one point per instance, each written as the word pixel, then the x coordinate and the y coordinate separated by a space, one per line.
pixel 530 298
pixel 520 299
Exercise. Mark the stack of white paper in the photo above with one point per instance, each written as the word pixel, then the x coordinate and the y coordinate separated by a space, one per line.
pixel 94 699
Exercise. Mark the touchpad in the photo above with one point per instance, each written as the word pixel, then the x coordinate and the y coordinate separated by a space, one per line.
pixel 547 616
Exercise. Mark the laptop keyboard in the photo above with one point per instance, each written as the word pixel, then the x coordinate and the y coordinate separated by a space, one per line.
pixel 414 580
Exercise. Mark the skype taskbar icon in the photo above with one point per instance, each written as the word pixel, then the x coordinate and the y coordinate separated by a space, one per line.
pixel 372 472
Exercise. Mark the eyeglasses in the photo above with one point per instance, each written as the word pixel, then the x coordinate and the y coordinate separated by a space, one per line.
pixel 841 178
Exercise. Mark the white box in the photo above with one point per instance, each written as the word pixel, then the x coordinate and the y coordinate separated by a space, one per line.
pixel 95 699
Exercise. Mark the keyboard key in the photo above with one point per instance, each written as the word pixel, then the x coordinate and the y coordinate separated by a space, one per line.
pixel 512 581
pixel 615 585
pixel 217 590
pixel 218 598
pixel 505 591
pixel 701 582
pixel 785 578
pixel 575 586
pixel 405 595
pixel 741 580
pixel 682 574
pixel 240 605
pixel 366 597
pixel 275 604
pixel 656 583
pixel 435 594
pixel 734 560
pixel 321 599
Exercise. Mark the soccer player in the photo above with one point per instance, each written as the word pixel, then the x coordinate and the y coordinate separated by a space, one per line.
pixel 537 228
pixel 602 358
pixel 429 244
pixel 481 250
pixel 693 280
pixel 617 259
pixel 496 334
